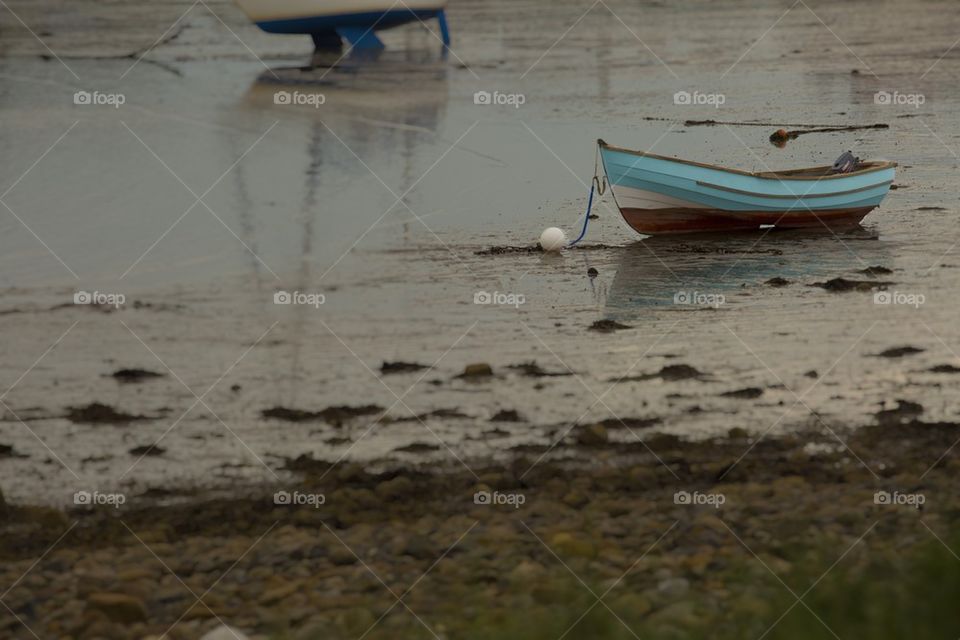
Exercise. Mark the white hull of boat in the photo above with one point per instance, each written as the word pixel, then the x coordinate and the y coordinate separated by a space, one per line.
pixel 633 198
pixel 271 10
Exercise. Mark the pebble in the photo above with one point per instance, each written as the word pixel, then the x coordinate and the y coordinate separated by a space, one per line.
pixel 394 488
pixel 674 587
pixel 117 607
pixel 592 435
pixel 223 632
pixel 567 544
pixel 477 370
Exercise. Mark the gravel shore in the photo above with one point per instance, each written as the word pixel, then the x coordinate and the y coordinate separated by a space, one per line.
pixel 680 539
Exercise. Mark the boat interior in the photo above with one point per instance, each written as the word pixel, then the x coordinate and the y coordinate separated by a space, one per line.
pixel 820 172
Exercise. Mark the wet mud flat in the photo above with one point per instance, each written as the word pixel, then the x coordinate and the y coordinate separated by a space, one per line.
pixel 683 539
pixel 114 405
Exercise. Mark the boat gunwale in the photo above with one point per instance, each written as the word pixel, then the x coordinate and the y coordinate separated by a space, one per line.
pixel 870 167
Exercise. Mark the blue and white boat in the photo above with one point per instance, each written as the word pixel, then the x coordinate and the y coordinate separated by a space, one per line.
pixel 356 21
pixel 657 194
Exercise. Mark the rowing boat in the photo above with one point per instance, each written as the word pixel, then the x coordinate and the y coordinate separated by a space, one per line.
pixel 356 21
pixel 659 195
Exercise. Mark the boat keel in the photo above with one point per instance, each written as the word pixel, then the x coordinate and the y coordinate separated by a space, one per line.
pixel 359 38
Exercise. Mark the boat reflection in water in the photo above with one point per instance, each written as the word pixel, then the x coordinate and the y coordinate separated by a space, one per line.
pixel 699 272
pixel 382 107
pixel 404 88
pixel 343 118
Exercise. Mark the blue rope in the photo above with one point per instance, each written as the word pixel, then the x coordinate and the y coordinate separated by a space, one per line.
pixel 586 217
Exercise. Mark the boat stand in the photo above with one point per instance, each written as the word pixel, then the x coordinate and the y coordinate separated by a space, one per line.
pixel 366 39
pixel 328 40
pixel 360 39
pixel 444 29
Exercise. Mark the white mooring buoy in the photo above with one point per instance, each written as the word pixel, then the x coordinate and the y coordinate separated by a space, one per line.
pixel 553 239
